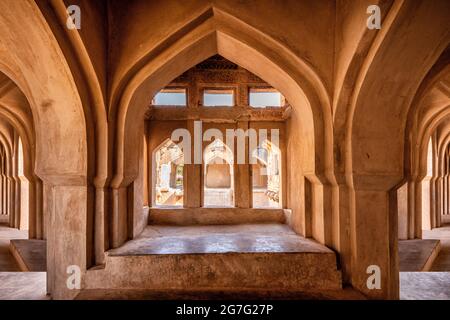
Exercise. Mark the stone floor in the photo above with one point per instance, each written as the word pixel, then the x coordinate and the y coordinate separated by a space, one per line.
pixel 23 286
pixel 425 285
pixel 418 254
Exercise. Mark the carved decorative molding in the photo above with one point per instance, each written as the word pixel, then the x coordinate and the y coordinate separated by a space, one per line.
pixel 217 114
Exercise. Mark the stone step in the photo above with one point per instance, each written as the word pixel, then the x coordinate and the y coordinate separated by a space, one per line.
pixel 235 257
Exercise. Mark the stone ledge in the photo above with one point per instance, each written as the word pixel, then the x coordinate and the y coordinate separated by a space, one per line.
pixel 31 255
pixel 214 216
pixel 418 254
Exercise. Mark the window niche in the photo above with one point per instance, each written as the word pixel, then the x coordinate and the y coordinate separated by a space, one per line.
pixel 266 177
pixel 222 96
pixel 169 174
pixel 218 186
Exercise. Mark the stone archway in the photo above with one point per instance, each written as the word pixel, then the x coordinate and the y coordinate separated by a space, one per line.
pixel 297 82
pixel 60 130
pixel 16 112
pixel 377 128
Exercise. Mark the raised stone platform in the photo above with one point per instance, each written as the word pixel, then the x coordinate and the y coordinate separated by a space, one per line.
pixel 221 258
pixel 31 255
pixel 418 254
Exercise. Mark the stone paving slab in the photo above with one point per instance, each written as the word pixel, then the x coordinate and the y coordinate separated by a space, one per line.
pixel 425 285
pixel 23 286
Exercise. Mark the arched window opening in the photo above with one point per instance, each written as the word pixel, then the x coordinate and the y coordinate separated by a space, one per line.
pixel 218 175
pixel 228 112
pixel 266 177
pixel 168 166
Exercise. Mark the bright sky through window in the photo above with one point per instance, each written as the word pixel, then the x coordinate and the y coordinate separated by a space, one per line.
pixel 218 98
pixel 170 98
pixel 262 99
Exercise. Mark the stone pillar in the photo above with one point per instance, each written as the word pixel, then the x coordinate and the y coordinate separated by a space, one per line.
pixel 5 193
pixel 418 210
pixel 411 209
pixel 242 177
pixel 119 217
pixel 374 242
pixel 11 203
pixel 137 219
pixel 2 212
pixel 101 230
pixel 447 211
pixel 441 202
pixel 402 207
pixel 40 219
pixel 146 158
pixel 445 195
pixel 17 196
pixel 16 181
pixel 193 173
pixel 66 207
pixel 439 206
pixel 427 216
pixel 193 178
pixel 32 209
pixel 433 208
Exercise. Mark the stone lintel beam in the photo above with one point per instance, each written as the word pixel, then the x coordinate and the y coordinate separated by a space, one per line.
pixel 218 114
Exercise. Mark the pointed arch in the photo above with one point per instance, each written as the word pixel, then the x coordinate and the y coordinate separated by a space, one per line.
pixel 218 175
pixel 217 32
pixel 60 133
pixel 165 172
